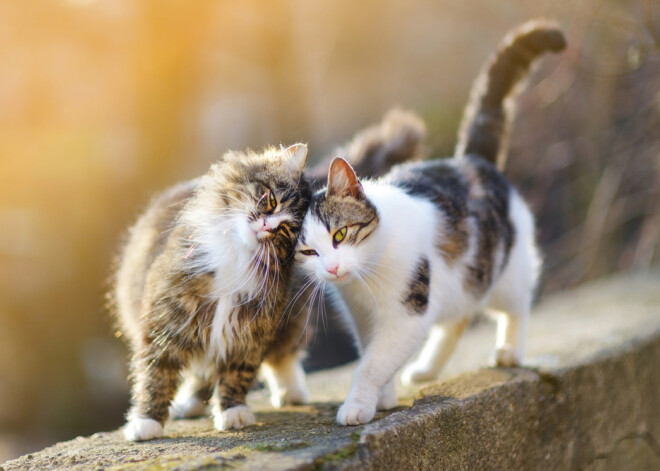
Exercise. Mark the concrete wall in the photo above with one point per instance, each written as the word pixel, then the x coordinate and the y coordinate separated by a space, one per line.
pixel 588 399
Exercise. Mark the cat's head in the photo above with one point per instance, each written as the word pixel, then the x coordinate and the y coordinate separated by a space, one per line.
pixel 255 200
pixel 336 243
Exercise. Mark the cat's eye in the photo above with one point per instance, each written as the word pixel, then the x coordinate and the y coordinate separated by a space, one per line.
pixel 309 252
pixel 272 200
pixel 339 235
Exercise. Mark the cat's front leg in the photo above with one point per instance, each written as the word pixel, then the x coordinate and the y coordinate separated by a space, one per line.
pixel 156 378
pixel 391 345
pixel 229 408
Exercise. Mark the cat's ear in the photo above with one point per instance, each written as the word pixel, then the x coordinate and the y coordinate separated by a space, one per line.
pixel 342 180
pixel 294 157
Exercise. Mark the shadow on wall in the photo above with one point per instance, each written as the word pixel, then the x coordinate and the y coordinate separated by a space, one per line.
pixel 105 102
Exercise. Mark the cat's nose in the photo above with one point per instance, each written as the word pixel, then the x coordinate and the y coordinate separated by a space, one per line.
pixel 333 269
pixel 264 231
pixel 265 226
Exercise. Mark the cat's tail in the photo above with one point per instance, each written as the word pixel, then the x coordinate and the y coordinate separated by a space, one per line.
pixel 485 125
pixel 398 138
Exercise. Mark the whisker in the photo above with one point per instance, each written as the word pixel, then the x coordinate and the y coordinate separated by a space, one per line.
pixel 289 307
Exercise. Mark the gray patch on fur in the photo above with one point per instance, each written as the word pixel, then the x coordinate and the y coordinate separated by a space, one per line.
pixel 417 296
pixel 491 215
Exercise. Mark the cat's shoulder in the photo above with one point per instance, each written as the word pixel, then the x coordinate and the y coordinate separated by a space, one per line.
pixel 450 174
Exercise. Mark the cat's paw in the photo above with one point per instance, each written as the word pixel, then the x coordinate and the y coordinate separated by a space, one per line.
pixel 355 413
pixel 416 374
pixel 235 417
pixel 139 429
pixel 290 396
pixel 507 357
pixel 188 408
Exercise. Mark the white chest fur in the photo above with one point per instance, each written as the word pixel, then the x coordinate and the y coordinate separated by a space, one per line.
pixel 223 329
pixel 237 281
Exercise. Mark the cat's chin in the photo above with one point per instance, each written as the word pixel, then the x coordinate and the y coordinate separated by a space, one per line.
pixel 249 240
pixel 246 236
pixel 339 280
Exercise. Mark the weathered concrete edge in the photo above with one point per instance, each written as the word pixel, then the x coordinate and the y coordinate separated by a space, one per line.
pixel 568 418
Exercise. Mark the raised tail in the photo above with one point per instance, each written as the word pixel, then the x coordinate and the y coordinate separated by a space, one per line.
pixel 485 124
pixel 398 138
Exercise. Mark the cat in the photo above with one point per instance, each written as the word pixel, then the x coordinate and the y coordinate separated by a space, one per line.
pixel 205 279
pixel 397 138
pixel 418 251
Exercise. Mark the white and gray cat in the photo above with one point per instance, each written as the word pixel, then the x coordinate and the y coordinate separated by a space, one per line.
pixel 415 253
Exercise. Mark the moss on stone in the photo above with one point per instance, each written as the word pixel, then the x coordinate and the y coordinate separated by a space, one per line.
pixel 331 459
pixel 279 447
pixel 336 457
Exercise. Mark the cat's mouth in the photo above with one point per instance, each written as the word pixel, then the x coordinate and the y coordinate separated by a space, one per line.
pixel 339 278
pixel 265 235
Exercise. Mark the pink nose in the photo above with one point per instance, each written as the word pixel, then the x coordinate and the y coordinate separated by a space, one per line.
pixel 265 226
pixel 333 269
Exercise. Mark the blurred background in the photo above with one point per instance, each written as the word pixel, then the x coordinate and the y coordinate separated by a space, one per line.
pixel 103 103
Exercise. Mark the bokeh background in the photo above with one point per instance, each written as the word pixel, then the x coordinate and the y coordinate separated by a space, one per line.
pixel 102 103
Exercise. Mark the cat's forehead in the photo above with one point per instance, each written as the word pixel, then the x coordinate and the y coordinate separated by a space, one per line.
pixel 334 212
pixel 270 174
pixel 254 175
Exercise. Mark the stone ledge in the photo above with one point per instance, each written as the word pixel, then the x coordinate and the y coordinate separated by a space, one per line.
pixel 589 399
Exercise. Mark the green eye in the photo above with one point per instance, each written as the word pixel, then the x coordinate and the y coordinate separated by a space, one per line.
pixel 309 252
pixel 272 200
pixel 339 235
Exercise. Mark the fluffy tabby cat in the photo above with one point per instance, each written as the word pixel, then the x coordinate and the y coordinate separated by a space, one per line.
pixel 206 277
pixel 203 281
pixel 417 252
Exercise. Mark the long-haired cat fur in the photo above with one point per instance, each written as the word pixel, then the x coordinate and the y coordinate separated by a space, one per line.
pixel 415 253
pixel 205 279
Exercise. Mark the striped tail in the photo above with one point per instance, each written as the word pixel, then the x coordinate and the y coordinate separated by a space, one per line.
pixel 485 124
pixel 398 138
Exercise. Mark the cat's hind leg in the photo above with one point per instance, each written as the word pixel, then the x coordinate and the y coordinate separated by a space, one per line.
pixel 511 338
pixel 192 398
pixel 510 304
pixel 286 380
pixel 156 377
pixel 282 367
pixel 440 344
pixel 511 297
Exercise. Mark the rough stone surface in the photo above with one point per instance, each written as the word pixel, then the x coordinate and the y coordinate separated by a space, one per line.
pixel 589 399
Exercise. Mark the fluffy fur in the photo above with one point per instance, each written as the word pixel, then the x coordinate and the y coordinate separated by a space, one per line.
pixel 415 254
pixel 201 301
pixel 202 286
pixel 398 138
pixel 485 126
